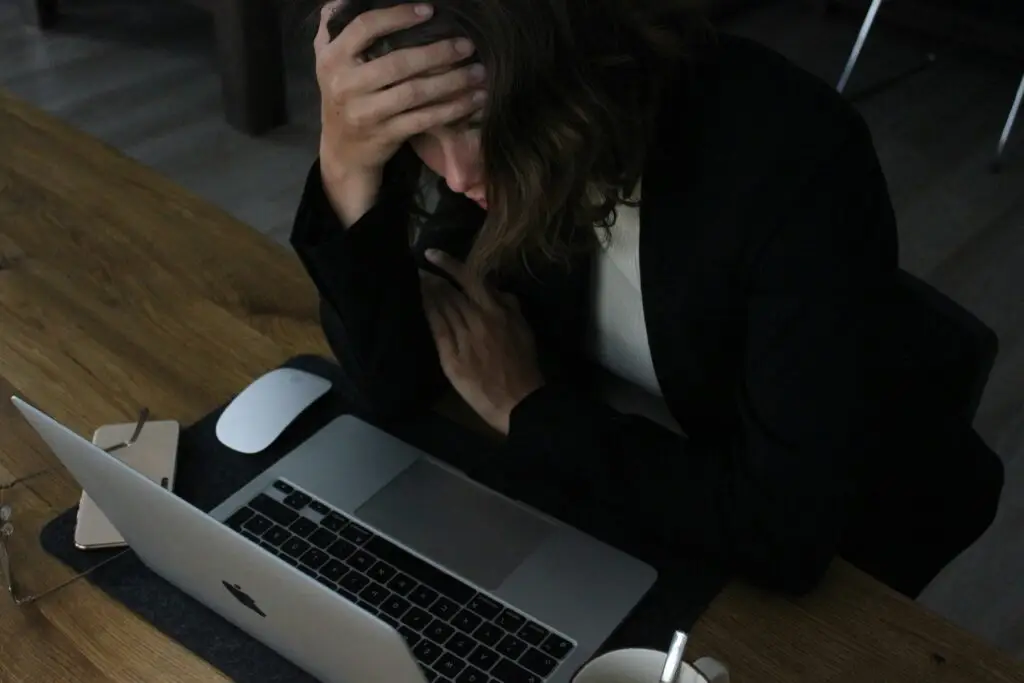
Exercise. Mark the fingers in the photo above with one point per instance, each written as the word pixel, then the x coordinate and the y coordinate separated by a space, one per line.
pixel 447 322
pixel 363 31
pixel 323 35
pixel 478 292
pixel 451 265
pixel 447 91
pixel 410 123
pixel 403 64
pixel 439 325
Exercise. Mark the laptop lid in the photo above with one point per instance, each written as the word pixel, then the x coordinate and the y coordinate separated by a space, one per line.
pixel 267 598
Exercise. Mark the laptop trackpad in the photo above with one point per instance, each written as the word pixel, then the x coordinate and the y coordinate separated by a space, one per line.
pixel 461 526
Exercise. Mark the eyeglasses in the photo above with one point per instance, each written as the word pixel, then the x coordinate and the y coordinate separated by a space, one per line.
pixel 7 528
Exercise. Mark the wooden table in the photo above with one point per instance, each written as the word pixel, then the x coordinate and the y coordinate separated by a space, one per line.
pixel 119 289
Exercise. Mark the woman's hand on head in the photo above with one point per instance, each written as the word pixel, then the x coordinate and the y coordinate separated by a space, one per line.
pixel 484 344
pixel 368 109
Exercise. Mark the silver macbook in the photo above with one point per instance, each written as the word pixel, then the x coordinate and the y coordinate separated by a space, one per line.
pixel 360 558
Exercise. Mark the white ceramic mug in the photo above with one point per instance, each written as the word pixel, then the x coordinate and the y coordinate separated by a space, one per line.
pixel 635 665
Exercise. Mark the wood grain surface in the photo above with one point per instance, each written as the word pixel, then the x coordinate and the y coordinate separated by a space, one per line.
pixel 119 289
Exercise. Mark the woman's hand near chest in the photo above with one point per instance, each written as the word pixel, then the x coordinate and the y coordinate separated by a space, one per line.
pixel 485 346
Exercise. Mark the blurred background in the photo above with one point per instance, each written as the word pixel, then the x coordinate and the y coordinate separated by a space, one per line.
pixel 219 96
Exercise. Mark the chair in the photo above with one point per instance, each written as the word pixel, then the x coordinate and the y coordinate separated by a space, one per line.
pixel 858 46
pixel 942 484
pixel 965 347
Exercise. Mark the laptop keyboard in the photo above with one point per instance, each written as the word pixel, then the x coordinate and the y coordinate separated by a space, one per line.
pixel 456 633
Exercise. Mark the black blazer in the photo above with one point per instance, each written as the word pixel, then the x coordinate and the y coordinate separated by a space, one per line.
pixel 768 244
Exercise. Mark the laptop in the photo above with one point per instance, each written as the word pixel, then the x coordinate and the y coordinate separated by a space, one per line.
pixel 360 558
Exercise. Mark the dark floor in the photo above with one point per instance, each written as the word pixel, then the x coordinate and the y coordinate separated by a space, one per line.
pixel 140 75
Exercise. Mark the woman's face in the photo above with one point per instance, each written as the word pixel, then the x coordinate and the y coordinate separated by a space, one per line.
pixel 453 153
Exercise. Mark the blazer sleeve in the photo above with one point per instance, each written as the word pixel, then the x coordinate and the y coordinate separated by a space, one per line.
pixel 370 307
pixel 770 499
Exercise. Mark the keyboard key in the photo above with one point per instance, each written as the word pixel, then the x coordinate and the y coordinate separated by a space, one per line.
pixel 289 560
pixel 449 665
pixel 539 663
pixel 302 527
pixel 420 570
pixel 466 621
pixel 556 646
pixel 269 548
pixel 509 672
pixel 439 632
pixel 326 582
pixel 395 606
pixel 252 537
pixel 426 652
pixel 283 487
pixel 276 511
pixel 460 644
pixel 309 572
pixel 532 633
pixel 484 606
pixel 319 508
pixel 238 518
pixel 416 619
pixel 257 525
pixel 489 634
pixel 367 607
pixel 322 538
pixel 510 621
pixel 297 500
pixel 276 536
pixel 388 619
pixel 511 647
pixel 333 570
pixel 423 596
pixel 444 608
pixel 483 658
pixel 314 558
pixel 361 560
pixel 471 675
pixel 294 547
pixel 355 533
pixel 401 584
pixel 374 593
pixel 345 593
pixel 382 572
pixel 354 582
pixel 431 676
pixel 410 636
pixel 334 522
pixel 341 549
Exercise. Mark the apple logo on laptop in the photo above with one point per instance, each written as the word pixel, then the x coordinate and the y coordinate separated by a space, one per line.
pixel 243 597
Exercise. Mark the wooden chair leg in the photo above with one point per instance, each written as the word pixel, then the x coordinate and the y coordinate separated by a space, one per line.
pixel 251 64
pixel 40 13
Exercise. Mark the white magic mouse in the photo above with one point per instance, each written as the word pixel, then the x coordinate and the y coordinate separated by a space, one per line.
pixel 265 408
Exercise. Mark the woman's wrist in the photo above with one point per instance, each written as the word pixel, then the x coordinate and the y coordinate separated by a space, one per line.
pixel 502 421
pixel 351 193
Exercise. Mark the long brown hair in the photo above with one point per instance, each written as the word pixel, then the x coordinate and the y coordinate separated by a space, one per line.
pixel 574 88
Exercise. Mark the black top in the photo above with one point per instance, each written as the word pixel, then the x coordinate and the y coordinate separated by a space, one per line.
pixel 768 243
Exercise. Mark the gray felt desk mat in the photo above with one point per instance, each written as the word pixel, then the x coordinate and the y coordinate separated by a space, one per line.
pixel 208 473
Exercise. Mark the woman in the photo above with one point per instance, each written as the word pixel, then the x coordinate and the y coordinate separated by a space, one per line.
pixel 754 301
